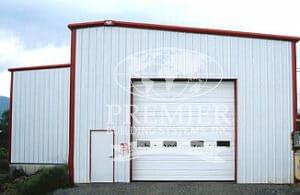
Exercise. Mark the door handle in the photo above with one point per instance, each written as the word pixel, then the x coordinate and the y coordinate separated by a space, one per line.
pixel 110 156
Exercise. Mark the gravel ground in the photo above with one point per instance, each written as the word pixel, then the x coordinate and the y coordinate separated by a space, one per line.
pixel 173 188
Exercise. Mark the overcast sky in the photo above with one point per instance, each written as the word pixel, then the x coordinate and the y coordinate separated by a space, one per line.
pixel 35 32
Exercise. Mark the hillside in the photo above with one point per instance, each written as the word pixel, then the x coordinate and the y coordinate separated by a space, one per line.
pixel 4 104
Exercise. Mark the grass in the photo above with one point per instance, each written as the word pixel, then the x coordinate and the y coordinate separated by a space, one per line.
pixel 4 167
pixel 42 182
pixel 3 152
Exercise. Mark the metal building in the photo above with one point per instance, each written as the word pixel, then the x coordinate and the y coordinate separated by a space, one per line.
pixel 40 116
pixel 155 102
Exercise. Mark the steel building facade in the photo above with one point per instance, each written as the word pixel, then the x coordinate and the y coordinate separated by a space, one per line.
pixel 255 78
pixel 40 115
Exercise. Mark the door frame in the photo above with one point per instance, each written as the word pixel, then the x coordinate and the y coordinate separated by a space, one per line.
pixel 90 152
pixel 235 86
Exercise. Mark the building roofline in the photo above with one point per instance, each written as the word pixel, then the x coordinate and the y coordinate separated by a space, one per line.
pixel 41 67
pixel 74 26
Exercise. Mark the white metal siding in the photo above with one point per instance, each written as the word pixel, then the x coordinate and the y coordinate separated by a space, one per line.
pixel 264 87
pixel 162 112
pixel 40 117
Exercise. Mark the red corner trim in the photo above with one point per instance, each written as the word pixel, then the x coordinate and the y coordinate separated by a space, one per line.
pixel 10 116
pixel 294 80
pixel 72 106
pixel 182 29
pixel 52 66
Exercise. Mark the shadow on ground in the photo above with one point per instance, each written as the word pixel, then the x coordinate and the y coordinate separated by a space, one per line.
pixel 173 188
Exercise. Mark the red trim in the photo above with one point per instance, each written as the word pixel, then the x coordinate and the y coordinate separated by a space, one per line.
pixel 88 24
pixel 130 130
pixel 182 29
pixel 10 116
pixel 294 80
pixel 72 106
pixel 113 134
pixel 39 67
pixel 235 129
pixel 194 79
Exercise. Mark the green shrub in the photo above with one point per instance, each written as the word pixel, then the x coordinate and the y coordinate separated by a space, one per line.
pixel 3 153
pixel 8 183
pixel 17 173
pixel 4 166
pixel 44 181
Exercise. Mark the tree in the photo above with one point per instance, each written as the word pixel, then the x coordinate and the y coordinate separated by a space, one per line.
pixel 4 127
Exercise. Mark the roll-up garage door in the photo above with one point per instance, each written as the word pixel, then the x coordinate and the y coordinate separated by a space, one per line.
pixel 183 130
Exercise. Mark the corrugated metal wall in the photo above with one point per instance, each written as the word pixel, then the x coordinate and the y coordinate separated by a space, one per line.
pixel 40 117
pixel 262 67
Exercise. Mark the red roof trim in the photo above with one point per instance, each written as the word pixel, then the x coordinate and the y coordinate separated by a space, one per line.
pixel 182 29
pixel 52 66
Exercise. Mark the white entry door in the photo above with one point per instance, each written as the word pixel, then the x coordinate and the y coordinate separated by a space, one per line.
pixel 183 130
pixel 102 154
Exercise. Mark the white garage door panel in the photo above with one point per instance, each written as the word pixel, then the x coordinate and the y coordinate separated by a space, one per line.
pixel 183 122
pixel 192 114
pixel 209 158
pixel 190 165
pixel 164 116
pixel 209 137
pixel 179 129
pixel 163 113
pixel 184 107
pixel 181 175
pixel 183 88
pixel 170 100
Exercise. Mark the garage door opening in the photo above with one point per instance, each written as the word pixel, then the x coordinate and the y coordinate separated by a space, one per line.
pixel 183 130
